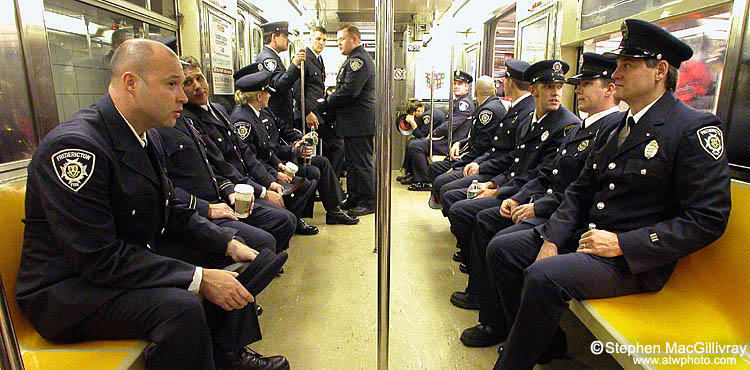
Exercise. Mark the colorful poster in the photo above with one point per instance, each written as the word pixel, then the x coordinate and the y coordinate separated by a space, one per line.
pixel 221 44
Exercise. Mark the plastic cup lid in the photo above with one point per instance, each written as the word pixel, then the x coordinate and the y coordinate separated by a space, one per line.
pixel 244 188
pixel 292 167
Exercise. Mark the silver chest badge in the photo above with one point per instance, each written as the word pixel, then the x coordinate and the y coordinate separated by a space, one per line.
pixel 545 135
pixel 583 145
pixel 651 149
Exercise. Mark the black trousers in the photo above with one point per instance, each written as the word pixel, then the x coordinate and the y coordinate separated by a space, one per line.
pixel 436 169
pixel 186 331
pixel 455 190
pixel 279 222
pixel 253 236
pixel 462 215
pixel 333 146
pixel 488 224
pixel 360 175
pixel 418 151
pixel 299 202
pixel 534 295
pixel 329 187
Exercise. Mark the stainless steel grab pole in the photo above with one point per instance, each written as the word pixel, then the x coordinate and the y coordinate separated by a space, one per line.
pixel 432 106
pixel 11 358
pixel 384 93
pixel 450 129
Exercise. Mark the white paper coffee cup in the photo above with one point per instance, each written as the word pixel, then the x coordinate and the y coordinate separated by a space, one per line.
pixel 243 198
pixel 291 169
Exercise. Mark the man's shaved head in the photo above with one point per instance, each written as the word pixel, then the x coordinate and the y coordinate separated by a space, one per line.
pixel 136 55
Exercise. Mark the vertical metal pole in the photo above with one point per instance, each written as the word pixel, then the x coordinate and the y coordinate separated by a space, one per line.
pixel 450 128
pixel 432 106
pixel 11 358
pixel 384 93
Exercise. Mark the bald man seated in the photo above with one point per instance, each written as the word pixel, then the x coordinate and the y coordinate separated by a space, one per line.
pixel 110 253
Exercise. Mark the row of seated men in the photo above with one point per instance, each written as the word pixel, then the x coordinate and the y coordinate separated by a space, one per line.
pixel 130 227
pixel 568 209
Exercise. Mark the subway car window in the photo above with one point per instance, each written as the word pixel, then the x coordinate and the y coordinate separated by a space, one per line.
pixel 598 12
pixel 739 126
pixel 82 39
pixel 17 138
pixel 163 7
pixel 505 43
pixel 699 78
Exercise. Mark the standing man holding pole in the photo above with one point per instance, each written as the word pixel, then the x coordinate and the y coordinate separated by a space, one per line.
pixel 276 40
pixel 315 77
pixel 354 104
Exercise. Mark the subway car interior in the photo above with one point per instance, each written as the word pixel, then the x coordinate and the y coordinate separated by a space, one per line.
pixel 381 294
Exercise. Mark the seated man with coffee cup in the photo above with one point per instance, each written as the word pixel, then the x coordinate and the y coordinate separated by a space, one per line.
pixel 212 195
pixel 235 160
pixel 276 141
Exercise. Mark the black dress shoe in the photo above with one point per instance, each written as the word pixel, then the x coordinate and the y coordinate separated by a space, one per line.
pixel 466 300
pixel 407 180
pixel 348 204
pixel 458 257
pixel 303 228
pixel 482 336
pixel 420 186
pixel 247 359
pixel 399 178
pixel 339 217
pixel 463 268
pixel 360 211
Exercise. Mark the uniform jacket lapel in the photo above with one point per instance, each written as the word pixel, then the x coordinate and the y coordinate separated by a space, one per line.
pixel 131 153
pixel 646 128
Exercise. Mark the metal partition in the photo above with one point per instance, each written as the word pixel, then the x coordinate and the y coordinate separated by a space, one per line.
pixel 11 353
pixel 384 89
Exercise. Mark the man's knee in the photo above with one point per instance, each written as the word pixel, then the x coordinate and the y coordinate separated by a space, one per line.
pixel 312 172
pixel 263 239
pixel 179 305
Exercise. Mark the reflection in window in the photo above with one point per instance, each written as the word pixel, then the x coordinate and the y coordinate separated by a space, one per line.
pixel 699 78
pixel 17 138
pixel 503 48
pixel 82 39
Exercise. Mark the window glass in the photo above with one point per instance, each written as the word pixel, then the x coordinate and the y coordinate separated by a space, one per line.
pixel 17 137
pixel 163 7
pixel 598 12
pixel 503 48
pixel 699 78
pixel 82 39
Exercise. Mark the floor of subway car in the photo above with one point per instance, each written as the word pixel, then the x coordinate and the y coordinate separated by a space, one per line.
pixel 322 313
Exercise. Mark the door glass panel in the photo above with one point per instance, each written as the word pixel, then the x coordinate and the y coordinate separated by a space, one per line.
pixel 17 138
pixel 82 39
pixel 699 78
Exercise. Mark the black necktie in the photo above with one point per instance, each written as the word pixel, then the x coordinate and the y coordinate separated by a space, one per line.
pixel 322 67
pixel 625 131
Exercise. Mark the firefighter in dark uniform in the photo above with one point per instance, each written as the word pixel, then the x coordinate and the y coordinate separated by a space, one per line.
pixel 503 141
pixel 315 78
pixel 655 190
pixel 419 150
pixel 278 144
pixel 486 120
pixel 354 105
pixel 104 233
pixel 276 40
pixel 532 204
pixel 197 182
pixel 536 147
pixel 238 163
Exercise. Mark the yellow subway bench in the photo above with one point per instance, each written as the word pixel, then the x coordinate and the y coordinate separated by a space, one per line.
pixel 38 353
pixel 704 307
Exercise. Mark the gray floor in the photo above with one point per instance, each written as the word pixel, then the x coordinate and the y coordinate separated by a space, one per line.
pixel 322 313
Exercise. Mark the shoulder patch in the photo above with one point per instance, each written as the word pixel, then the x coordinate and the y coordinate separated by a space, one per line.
pixel 270 64
pixel 485 116
pixel 712 140
pixel 73 167
pixel 568 128
pixel 355 64
pixel 426 119
pixel 463 106
pixel 243 129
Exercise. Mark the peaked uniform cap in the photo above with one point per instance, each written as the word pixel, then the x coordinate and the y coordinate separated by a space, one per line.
pixel 594 66
pixel 641 39
pixel 551 70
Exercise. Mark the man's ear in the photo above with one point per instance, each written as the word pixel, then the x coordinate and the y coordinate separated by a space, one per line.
pixel 662 68
pixel 129 81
